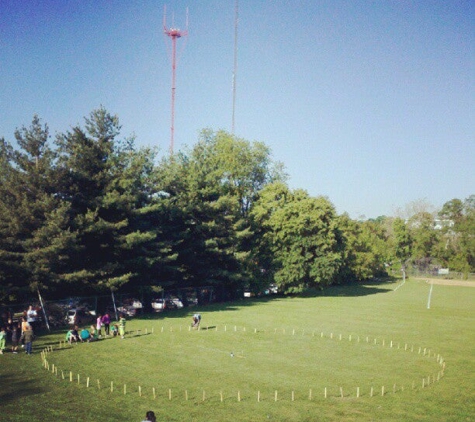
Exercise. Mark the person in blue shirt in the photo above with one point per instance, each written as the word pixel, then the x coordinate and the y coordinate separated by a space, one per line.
pixel 85 335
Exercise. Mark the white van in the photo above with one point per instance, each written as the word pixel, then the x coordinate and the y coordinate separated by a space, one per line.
pixel 80 317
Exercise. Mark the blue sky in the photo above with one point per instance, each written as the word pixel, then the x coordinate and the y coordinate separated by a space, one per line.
pixel 370 103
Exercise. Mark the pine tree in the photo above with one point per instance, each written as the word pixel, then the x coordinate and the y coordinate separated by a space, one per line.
pixel 34 219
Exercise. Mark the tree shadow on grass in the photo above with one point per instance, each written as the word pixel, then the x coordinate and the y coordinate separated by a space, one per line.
pixel 366 288
pixel 16 387
pixel 354 291
pixel 232 306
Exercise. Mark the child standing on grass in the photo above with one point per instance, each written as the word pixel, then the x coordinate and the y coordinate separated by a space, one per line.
pixel 122 326
pixel 25 325
pixel 28 337
pixel 3 340
pixel 99 325
pixel 106 321
pixel 16 330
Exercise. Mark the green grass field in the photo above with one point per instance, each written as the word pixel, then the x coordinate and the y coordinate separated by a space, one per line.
pixel 273 359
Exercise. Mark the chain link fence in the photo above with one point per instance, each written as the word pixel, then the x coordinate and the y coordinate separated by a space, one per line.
pixel 451 275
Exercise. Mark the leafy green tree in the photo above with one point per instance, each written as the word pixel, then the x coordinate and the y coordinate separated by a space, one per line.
pixel 452 210
pixel 402 244
pixel 363 249
pixel 457 249
pixel 264 265
pixel 302 235
pixel 425 238
pixel 243 168
pixel 208 191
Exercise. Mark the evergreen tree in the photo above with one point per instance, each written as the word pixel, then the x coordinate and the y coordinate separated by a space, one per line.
pixel 34 219
pixel 108 186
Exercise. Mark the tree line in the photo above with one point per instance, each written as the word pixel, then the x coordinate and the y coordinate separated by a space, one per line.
pixel 90 212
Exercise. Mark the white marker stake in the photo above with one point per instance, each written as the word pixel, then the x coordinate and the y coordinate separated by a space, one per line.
pixel 430 294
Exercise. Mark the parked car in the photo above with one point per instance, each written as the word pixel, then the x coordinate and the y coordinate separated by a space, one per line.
pixel 135 303
pixel 272 289
pixel 159 305
pixel 177 302
pixel 55 315
pixel 127 310
pixel 80 316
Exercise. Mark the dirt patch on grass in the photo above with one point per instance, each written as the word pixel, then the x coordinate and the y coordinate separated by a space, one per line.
pixel 450 282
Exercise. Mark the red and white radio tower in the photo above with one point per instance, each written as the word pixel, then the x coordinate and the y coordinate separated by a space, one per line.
pixel 174 34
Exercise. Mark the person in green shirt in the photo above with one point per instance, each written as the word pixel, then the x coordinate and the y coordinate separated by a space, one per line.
pixel 122 325
pixel 94 335
pixel 3 339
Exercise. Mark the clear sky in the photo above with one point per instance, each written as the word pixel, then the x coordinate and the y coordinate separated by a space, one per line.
pixel 370 103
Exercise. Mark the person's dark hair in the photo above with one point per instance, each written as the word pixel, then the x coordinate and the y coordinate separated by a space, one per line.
pixel 150 416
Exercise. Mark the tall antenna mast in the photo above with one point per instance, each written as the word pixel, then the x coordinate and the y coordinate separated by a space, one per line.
pixel 174 34
pixel 236 19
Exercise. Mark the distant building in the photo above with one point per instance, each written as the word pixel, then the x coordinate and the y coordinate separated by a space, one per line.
pixel 440 223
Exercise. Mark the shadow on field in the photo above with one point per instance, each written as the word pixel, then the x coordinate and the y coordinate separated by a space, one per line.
pixel 15 387
pixel 232 306
pixel 361 289
pixel 376 286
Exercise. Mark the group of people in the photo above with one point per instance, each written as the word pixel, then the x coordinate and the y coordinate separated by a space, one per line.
pixel 22 332
pixel 19 332
pixel 95 332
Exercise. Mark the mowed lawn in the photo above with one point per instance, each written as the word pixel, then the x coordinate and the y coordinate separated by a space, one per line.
pixel 360 353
